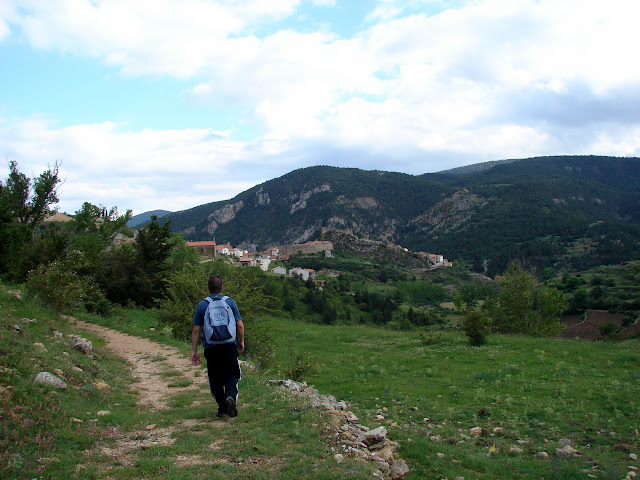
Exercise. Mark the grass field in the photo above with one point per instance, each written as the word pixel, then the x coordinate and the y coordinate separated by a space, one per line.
pixel 523 392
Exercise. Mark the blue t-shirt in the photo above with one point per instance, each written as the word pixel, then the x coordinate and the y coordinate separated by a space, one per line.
pixel 201 309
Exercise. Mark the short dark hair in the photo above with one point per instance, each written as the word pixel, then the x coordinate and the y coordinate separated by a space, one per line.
pixel 215 284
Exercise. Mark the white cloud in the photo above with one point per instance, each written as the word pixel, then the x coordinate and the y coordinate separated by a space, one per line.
pixel 143 170
pixel 146 36
pixel 489 79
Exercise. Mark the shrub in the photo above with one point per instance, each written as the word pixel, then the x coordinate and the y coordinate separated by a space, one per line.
pixel 430 339
pixel 59 286
pixel 299 367
pixel 476 324
pixel 608 329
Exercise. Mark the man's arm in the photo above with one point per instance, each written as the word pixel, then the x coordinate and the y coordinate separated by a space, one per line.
pixel 240 335
pixel 195 339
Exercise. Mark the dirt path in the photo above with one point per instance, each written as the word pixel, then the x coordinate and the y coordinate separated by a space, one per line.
pixel 150 361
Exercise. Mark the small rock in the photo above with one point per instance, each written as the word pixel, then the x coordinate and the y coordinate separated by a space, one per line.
pixel 632 474
pixel 375 436
pixel 516 450
pixel 46 378
pixel 101 385
pixel 40 346
pixel 339 458
pixel 477 432
pixel 435 438
pixel 58 372
pixel 542 455
pixel 440 455
pixel 151 427
pixel 498 430
pixel 633 456
pixel 566 452
pixel 17 328
pixel 459 478
pixel 103 413
pixel 84 345
pixel 75 420
pixel 564 442
pixel 398 469
pixel 351 418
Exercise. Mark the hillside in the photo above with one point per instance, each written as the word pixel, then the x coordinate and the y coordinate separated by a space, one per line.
pixel 564 212
pixel 142 218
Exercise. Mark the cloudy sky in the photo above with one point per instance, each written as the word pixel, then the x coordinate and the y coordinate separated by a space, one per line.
pixel 170 104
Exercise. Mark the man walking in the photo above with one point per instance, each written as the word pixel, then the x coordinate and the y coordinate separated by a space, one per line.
pixel 218 318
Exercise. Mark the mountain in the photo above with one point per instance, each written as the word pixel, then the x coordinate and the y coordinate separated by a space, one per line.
pixel 561 212
pixel 142 218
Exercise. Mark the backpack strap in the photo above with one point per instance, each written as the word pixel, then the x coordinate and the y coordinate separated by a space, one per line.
pixel 209 299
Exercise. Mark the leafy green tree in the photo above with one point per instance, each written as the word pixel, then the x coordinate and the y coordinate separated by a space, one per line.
pixel 525 306
pixel 28 201
pixel 153 248
pixel 24 203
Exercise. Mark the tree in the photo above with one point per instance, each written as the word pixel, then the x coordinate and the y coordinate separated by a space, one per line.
pixel 525 306
pixel 27 201
pixel 153 248
pixel 22 209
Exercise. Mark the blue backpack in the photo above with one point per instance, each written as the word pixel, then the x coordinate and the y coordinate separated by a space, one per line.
pixel 219 321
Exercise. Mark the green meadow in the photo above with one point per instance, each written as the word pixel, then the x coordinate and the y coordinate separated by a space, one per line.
pixel 430 390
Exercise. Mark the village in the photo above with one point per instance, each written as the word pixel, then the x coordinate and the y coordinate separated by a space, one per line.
pixel 263 260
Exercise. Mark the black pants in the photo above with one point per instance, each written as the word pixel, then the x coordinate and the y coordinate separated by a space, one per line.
pixel 223 372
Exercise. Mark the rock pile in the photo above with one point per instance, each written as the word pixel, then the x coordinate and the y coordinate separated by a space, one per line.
pixel 354 439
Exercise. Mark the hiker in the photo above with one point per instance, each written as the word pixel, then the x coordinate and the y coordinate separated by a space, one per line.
pixel 217 316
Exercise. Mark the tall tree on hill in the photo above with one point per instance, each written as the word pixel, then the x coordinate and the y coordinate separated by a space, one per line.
pixel 525 306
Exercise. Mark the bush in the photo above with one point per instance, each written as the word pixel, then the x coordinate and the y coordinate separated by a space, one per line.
pixel 59 287
pixel 299 367
pixel 476 324
pixel 608 329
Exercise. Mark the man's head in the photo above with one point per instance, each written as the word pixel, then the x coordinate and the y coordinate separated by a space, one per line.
pixel 215 284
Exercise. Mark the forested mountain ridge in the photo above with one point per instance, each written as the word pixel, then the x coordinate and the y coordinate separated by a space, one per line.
pixel 549 211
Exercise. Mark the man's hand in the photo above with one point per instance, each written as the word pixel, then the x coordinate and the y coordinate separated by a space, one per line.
pixel 241 346
pixel 195 339
pixel 195 358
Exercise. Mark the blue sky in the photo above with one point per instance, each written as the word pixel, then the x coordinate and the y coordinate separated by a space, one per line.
pixel 166 104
